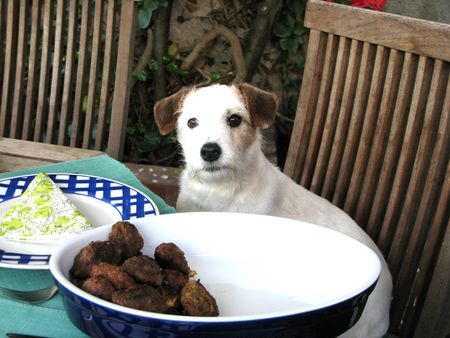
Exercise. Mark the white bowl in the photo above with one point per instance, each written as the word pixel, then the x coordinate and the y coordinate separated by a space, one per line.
pixel 270 276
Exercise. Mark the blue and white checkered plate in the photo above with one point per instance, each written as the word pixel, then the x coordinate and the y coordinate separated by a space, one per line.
pixel 101 200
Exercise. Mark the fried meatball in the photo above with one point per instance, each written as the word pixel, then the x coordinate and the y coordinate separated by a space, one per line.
pixel 120 250
pixel 116 270
pixel 99 287
pixel 118 278
pixel 127 239
pixel 172 301
pixel 78 282
pixel 141 297
pixel 174 279
pixel 95 252
pixel 143 269
pixel 170 256
pixel 197 301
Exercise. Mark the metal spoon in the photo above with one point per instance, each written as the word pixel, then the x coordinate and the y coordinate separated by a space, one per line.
pixel 33 297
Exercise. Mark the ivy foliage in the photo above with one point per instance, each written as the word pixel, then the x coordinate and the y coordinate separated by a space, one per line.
pixel 290 28
pixel 290 35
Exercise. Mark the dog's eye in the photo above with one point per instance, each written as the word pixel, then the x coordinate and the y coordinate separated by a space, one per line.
pixel 234 120
pixel 192 123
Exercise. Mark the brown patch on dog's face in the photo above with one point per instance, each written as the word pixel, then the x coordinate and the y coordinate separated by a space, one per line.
pixel 243 135
pixel 166 111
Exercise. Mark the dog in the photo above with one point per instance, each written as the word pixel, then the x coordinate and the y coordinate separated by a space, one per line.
pixel 226 170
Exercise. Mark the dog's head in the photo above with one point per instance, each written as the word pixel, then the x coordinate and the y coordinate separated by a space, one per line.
pixel 216 125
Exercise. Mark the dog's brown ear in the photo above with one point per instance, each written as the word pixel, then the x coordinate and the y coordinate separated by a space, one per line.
pixel 261 105
pixel 166 111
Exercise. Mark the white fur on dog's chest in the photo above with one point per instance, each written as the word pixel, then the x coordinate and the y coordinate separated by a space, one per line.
pixel 225 195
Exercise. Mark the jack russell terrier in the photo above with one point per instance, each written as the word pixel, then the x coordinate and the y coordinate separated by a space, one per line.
pixel 226 170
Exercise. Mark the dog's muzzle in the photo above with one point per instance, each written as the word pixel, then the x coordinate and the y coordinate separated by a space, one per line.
pixel 210 152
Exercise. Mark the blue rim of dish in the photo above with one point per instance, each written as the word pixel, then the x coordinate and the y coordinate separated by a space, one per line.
pixel 128 201
pixel 91 317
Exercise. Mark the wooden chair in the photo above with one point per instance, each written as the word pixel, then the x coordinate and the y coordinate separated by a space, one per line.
pixel 372 135
pixel 66 71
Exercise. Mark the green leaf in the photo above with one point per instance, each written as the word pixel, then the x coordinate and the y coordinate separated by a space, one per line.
pixel 143 18
pixel 141 128
pixel 145 12
pixel 299 9
pixel 172 67
pixel 281 31
pixel 274 6
pixel 183 72
pixel 131 129
pixel 284 43
pixel 84 104
pixel 300 62
pixel 290 44
pixel 140 76
pixel 153 65
pixel 172 51
pixel 151 141
pixel 300 29
pixel 215 76
pixel 171 138
pixel 150 4
pixel 289 21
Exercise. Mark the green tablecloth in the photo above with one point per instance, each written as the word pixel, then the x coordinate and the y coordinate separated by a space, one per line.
pixel 49 318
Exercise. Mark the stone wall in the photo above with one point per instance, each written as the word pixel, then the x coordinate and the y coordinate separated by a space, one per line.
pixel 434 10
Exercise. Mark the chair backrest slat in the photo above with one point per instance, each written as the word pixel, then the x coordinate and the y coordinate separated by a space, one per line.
pixel 69 66
pixel 116 137
pixel 95 55
pixel 8 66
pixel 56 70
pixel 372 135
pixel 16 118
pixel 42 107
pixel 106 75
pixel 30 104
pixel 81 74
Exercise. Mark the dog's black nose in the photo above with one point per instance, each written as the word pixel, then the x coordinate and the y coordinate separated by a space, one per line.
pixel 210 152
